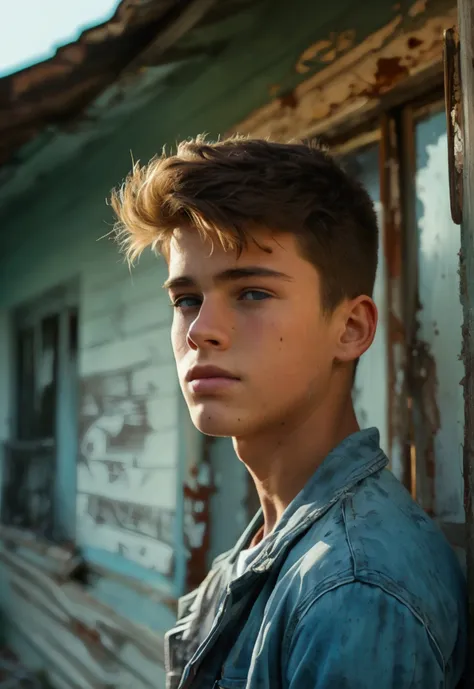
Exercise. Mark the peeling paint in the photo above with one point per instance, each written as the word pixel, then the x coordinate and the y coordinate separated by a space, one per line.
pixel 197 491
pixel 325 51
pixel 453 107
pixel 390 71
pixel 424 383
pixel 414 42
pixel 289 100
pixel 436 364
pixel 417 8
pixel 352 77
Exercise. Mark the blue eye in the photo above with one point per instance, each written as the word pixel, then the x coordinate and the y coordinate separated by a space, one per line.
pixel 254 295
pixel 187 302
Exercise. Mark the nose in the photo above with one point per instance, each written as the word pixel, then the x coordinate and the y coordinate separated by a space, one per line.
pixel 211 328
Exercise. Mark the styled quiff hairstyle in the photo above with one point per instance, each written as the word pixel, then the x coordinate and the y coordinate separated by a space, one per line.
pixel 228 189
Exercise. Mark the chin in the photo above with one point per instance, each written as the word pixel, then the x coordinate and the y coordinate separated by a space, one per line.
pixel 215 420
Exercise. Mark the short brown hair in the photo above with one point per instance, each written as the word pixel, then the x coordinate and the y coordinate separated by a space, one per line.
pixel 228 188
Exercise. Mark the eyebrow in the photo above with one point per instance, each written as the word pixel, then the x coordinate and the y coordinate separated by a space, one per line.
pixel 229 275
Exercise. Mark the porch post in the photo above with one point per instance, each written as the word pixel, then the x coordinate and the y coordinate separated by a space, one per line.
pixel 466 38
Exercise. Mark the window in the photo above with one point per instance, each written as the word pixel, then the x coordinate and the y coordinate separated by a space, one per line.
pixel 39 486
pixel 407 384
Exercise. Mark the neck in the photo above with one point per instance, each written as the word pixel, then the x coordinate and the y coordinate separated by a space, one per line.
pixel 281 459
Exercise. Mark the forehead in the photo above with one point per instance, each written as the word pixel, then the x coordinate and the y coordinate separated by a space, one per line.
pixel 191 254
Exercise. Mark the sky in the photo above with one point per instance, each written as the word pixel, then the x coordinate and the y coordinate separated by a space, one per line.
pixel 31 30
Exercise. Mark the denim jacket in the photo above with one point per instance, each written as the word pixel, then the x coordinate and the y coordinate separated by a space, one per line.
pixel 356 588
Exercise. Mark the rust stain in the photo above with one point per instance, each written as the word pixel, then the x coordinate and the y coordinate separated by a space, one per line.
pixel 424 385
pixel 389 72
pixel 289 100
pixel 85 633
pixel 414 42
pixel 354 82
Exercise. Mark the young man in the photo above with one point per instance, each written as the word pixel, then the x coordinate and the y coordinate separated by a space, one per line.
pixel 341 581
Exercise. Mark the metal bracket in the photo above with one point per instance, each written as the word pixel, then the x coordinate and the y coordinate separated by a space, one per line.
pixel 453 105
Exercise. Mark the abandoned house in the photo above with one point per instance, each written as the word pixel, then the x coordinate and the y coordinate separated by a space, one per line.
pixel 112 503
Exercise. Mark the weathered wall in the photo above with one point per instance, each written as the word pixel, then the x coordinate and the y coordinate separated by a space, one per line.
pixel 128 393
pixel 438 366
pixel 128 416
pixel 130 485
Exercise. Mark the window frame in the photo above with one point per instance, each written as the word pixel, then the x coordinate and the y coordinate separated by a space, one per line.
pixel 62 301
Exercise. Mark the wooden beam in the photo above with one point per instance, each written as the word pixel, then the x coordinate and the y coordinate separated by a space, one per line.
pixel 358 80
pixel 181 19
pixel 466 37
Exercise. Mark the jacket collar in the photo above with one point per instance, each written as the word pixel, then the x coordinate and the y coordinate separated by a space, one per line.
pixel 355 458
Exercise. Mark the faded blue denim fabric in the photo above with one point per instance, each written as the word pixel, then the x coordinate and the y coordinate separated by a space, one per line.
pixel 356 589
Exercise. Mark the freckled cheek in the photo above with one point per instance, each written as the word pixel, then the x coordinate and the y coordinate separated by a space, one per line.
pixel 179 334
pixel 279 334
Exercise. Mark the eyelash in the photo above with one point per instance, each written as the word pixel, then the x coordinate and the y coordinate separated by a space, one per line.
pixel 177 303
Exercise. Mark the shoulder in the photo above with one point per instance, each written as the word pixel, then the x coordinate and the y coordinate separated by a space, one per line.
pixel 358 635
pixel 377 536
pixel 395 545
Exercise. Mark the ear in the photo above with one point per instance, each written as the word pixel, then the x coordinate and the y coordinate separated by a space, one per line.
pixel 358 325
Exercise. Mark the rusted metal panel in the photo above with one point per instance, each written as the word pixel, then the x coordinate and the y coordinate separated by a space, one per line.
pixel 353 77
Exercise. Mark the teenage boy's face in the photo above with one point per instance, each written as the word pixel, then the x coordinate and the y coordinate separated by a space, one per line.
pixel 252 345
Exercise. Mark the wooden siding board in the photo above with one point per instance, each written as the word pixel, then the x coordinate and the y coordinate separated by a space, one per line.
pixel 141 486
pixel 120 354
pixel 127 470
pixel 78 638
pixel 136 518
pixel 145 551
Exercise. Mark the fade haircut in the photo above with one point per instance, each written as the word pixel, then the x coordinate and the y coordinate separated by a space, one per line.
pixel 227 189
